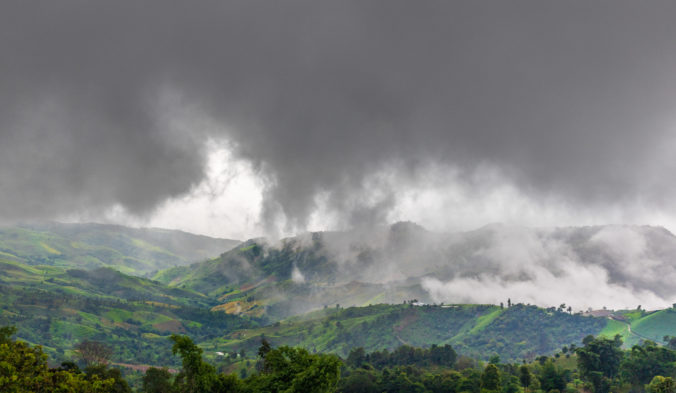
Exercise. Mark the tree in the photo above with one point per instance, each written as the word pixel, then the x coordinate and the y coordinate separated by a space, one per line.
pixel 398 381
pixel 6 333
pixel 94 352
pixel 490 378
pixel 157 380
pixel 103 372
pixel 670 342
pixel 525 377
pixel 646 361
pixel 511 385
pixel 264 348
pixel 602 355
pixel 296 370
pixel 599 361
pixel 442 355
pixel 24 369
pixel 356 357
pixel 551 378
pixel 661 384
pixel 471 381
pixel 442 383
pixel 196 375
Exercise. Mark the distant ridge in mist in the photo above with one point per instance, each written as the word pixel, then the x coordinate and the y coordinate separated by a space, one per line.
pixel 615 266
pixel 136 251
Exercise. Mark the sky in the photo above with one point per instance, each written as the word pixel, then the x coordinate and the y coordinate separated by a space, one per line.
pixel 249 118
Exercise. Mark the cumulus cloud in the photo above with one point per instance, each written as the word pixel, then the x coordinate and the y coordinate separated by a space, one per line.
pixel 112 104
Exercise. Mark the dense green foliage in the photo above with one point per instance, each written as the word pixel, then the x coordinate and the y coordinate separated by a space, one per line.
pixel 137 329
pixel 283 369
pixel 442 356
pixel 225 305
pixel 513 333
pixel 24 369
pixel 599 365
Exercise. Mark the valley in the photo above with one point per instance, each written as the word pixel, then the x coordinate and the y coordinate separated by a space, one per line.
pixel 299 292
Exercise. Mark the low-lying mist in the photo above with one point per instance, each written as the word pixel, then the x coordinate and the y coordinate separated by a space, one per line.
pixel 583 267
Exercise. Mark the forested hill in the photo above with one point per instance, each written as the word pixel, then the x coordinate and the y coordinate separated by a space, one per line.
pixel 136 251
pixel 516 332
pixel 404 261
pixel 59 308
pixel 58 288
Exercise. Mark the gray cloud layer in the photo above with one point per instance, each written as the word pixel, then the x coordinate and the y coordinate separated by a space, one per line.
pixel 569 98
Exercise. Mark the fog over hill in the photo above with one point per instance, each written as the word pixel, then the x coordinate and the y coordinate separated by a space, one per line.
pixel 613 266
pixel 602 266
pixel 244 119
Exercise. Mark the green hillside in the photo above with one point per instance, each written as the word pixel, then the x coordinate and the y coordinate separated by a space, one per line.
pixel 256 279
pixel 250 262
pixel 57 308
pixel 103 283
pixel 89 246
pixel 514 333
pixel 654 326
pixel 136 330
pixel 636 326
pixel 61 284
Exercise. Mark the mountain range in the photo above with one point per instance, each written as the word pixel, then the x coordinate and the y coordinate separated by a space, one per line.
pixel 136 251
pixel 512 291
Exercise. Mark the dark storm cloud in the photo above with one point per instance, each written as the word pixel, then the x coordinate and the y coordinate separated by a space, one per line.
pixel 570 98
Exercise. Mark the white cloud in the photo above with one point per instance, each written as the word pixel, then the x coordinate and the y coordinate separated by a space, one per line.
pixel 545 267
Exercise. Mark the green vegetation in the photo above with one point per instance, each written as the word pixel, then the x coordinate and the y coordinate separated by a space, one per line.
pixel 24 369
pixel 90 246
pixel 226 305
pixel 636 326
pixel 613 328
pixel 58 308
pixel 478 330
pixel 599 365
pixel 655 325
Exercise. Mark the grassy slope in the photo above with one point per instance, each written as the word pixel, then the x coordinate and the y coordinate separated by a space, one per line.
pixel 637 325
pixel 246 264
pixel 614 328
pixel 656 325
pixel 102 283
pixel 132 251
pixel 58 308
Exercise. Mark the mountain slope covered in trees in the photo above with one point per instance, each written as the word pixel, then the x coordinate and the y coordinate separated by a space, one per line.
pixel 517 332
pixel 404 261
pixel 316 291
